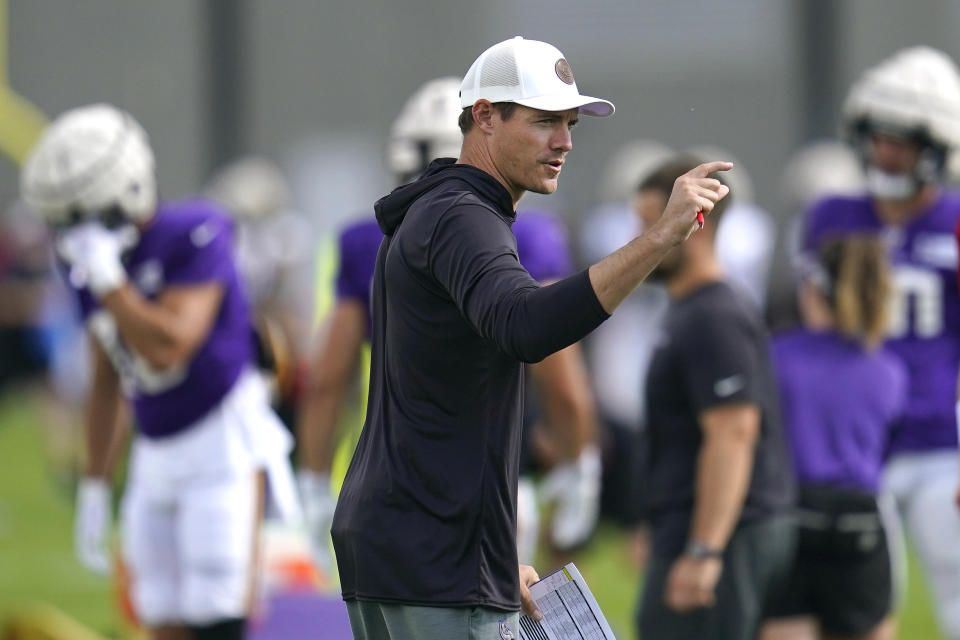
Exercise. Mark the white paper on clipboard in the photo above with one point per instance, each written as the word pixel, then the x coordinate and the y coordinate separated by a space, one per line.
pixel 570 612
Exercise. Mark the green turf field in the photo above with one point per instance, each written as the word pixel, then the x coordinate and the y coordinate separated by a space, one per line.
pixel 37 563
pixel 36 520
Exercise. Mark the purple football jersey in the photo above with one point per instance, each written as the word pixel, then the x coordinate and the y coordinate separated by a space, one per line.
pixel 358 246
pixel 186 243
pixel 542 245
pixel 924 311
pixel 839 405
pixel 542 248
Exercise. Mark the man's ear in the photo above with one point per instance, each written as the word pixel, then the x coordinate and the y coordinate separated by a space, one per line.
pixel 483 115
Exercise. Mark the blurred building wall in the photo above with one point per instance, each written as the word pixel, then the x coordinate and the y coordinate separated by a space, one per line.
pixel 323 80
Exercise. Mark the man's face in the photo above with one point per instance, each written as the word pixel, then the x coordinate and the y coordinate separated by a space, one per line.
pixel 650 204
pixel 893 155
pixel 530 147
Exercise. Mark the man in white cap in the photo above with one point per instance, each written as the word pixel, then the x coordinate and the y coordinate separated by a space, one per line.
pixel 424 530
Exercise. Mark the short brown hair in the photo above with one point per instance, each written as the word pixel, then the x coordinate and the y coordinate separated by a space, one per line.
pixel 505 109
pixel 662 178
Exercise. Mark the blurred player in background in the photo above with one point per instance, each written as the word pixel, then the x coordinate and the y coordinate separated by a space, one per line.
pixel 425 129
pixel 560 430
pixel 746 239
pixel 607 224
pixel 618 351
pixel 816 170
pixel 25 351
pixel 43 349
pixel 841 397
pixel 170 328
pixel 563 422
pixel 903 117
pixel 718 489
pixel 273 248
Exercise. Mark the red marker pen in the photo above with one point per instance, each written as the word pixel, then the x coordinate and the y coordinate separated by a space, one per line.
pixel 700 219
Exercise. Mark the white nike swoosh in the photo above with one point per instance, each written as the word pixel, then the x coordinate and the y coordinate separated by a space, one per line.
pixel 202 234
pixel 728 386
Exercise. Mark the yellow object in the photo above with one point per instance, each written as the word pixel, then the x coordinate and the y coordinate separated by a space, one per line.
pixel 328 257
pixel 21 123
pixel 355 408
pixel 45 622
pixel 351 422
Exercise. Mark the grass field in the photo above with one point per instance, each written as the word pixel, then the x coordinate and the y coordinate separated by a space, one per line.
pixel 37 562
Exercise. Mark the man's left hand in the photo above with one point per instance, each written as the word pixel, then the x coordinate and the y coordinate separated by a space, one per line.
pixel 528 575
pixel 692 583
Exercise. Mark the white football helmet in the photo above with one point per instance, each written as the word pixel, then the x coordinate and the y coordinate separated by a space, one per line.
pixel 426 128
pixel 915 93
pixel 92 162
pixel 251 188
pixel 818 169
pixel 629 166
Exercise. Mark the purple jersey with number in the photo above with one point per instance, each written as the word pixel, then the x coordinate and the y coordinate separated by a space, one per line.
pixel 839 405
pixel 925 307
pixel 541 246
pixel 186 244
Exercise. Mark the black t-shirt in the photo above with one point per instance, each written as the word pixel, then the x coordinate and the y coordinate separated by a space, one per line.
pixel 427 513
pixel 714 350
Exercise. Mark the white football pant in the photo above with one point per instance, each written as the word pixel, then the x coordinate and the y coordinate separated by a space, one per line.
pixel 917 494
pixel 189 513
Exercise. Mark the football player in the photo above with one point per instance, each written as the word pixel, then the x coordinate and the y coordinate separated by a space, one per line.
pixel 273 251
pixel 171 331
pixel 426 129
pixel 903 116
pixel 745 240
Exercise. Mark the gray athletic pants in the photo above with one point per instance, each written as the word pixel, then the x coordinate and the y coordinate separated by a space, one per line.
pixel 755 566
pixel 380 621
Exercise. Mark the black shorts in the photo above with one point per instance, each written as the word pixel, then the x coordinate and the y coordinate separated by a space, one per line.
pixel 841 572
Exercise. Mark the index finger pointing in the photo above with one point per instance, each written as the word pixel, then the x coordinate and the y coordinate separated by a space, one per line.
pixel 705 169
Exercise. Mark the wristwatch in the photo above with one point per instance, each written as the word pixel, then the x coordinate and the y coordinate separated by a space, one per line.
pixel 700 551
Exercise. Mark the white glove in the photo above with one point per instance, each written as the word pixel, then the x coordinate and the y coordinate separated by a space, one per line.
pixel 574 487
pixel 318 508
pixel 93 253
pixel 92 525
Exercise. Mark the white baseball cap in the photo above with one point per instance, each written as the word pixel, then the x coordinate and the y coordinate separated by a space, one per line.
pixel 528 72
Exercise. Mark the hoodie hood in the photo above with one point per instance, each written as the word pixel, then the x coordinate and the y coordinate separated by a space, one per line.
pixel 392 208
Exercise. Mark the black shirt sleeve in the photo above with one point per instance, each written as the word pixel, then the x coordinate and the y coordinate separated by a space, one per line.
pixel 473 256
pixel 722 362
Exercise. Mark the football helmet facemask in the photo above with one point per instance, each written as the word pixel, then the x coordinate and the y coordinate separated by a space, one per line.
pixel 913 95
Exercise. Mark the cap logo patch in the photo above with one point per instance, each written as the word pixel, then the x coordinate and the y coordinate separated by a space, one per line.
pixel 564 72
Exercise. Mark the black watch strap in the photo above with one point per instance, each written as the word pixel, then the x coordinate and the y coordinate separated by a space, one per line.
pixel 700 551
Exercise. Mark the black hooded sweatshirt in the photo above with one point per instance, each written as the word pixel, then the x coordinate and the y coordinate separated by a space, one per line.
pixel 427 512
